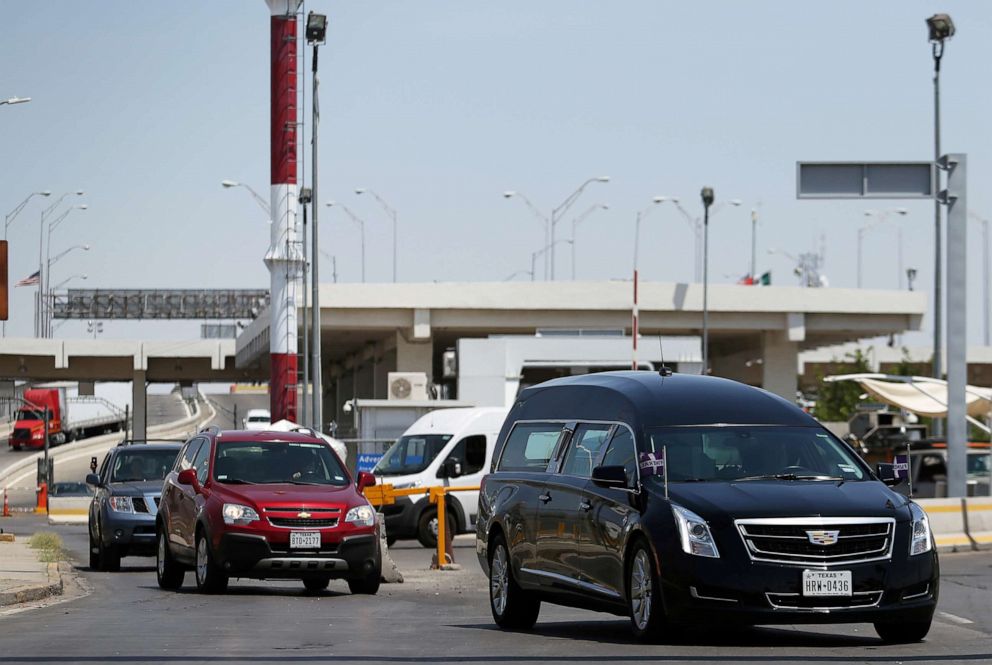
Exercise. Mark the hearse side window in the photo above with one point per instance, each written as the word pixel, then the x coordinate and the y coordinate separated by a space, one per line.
pixel 621 453
pixel 530 447
pixel 583 451
pixel 733 453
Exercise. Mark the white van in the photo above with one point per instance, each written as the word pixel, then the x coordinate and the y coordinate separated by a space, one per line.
pixel 450 447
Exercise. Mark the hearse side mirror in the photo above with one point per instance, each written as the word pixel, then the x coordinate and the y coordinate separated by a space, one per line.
pixel 188 477
pixel 365 479
pixel 451 468
pixel 610 476
pixel 887 474
pixel 93 479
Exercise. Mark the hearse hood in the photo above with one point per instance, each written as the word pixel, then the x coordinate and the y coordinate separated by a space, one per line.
pixel 720 501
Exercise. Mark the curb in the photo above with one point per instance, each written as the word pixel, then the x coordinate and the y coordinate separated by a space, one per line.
pixel 31 592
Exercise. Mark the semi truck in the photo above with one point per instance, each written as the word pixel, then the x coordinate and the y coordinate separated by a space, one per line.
pixel 68 418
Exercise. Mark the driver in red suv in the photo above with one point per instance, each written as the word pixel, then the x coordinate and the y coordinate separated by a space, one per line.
pixel 265 505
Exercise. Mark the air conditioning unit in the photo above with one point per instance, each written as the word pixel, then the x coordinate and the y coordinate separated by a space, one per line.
pixel 407 386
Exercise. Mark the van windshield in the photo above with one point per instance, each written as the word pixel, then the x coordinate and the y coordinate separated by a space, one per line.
pixel 411 454
pixel 743 453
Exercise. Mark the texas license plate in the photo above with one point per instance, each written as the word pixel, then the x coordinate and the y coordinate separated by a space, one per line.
pixel 304 540
pixel 826 583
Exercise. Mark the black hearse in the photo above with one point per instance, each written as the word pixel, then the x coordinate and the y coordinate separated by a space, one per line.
pixel 683 499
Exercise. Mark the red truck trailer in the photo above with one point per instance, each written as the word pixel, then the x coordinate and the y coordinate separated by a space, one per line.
pixel 69 419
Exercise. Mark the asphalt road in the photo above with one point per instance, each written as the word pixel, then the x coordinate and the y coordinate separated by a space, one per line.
pixel 434 617
pixel 229 404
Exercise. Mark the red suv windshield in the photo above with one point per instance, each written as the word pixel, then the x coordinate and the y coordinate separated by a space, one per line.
pixel 269 462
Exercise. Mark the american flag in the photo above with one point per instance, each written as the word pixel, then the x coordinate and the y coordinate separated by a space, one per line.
pixel 30 280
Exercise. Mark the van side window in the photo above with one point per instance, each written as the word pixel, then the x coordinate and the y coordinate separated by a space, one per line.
pixel 584 449
pixel 470 452
pixel 621 453
pixel 529 447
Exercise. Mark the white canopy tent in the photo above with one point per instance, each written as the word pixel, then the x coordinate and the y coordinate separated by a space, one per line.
pixel 289 426
pixel 922 395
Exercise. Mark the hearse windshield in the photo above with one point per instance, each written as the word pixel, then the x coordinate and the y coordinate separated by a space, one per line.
pixel 745 453
pixel 411 454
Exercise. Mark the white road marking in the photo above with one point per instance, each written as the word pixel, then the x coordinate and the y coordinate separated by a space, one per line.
pixel 955 618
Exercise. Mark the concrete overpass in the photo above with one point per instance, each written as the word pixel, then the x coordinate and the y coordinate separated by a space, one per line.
pixel 140 362
pixel 756 333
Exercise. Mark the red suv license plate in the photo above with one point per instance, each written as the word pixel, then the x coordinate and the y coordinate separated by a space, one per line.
pixel 304 540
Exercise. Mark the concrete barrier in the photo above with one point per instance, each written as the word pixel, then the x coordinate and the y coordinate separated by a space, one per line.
pixel 947 523
pixel 979 511
pixel 68 509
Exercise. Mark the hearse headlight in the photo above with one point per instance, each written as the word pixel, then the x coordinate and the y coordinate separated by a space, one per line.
pixel 235 513
pixel 921 540
pixel 121 504
pixel 695 533
pixel 361 516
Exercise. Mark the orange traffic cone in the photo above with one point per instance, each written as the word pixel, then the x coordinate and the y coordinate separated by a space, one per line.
pixel 42 506
pixel 6 506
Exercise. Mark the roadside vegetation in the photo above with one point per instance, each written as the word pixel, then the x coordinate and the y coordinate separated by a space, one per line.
pixel 51 546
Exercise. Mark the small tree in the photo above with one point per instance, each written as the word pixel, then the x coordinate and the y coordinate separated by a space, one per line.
pixel 837 400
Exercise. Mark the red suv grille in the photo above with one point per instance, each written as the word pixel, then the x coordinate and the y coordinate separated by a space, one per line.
pixel 302 516
pixel 296 521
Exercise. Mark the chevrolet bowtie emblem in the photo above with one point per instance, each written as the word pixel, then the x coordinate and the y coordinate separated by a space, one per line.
pixel 303 515
pixel 823 537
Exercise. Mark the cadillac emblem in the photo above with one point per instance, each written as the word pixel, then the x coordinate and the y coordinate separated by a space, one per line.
pixel 823 537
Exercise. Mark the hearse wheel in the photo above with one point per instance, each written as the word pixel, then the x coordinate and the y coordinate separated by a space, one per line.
pixel 512 607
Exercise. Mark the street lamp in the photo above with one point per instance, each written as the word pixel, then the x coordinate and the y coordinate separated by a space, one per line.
pixel 79 275
pixel 94 327
pixel 15 100
pixel 881 216
pixel 361 225
pixel 556 214
pixel 578 220
pixel 7 221
pixel 707 196
pixel 48 304
pixel 910 277
pixel 634 313
pixel 940 28
pixel 262 203
pixel 696 224
pixel 389 211
pixel 316 34
pixel 39 314
pixel 509 194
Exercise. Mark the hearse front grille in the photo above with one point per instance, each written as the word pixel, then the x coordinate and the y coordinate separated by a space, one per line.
pixel 793 601
pixel 826 541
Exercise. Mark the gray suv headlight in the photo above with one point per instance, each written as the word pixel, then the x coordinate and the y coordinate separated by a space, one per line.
pixel 921 540
pixel 695 533
pixel 121 504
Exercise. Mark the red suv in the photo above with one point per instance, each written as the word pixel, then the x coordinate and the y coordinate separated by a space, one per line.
pixel 265 505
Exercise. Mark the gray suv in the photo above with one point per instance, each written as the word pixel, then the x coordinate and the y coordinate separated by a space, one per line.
pixel 128 489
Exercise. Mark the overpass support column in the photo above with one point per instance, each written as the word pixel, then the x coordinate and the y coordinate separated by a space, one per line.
pixel 780 364
pixel 415 356
pixel 139 406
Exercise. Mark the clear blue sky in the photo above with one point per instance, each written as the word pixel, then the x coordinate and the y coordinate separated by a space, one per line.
pixel 442 106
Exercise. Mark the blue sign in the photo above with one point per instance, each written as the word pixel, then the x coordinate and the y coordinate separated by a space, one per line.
pixel 367 461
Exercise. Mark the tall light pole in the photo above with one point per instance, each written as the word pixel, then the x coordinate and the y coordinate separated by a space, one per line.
pixel 696 224
pixel 316 35
pixel 556 214
pixel 754 246
pixel 392 215
pixel 578 220
pixel 986 276
pixel 707 196
pixel 38 324
pixel 940 28
pixel 361 226
pixel 262 203
pixel 7 221
pixel 635 326
pixel 48 301
pixel 509 194
pixel 880 217
pixel 306 198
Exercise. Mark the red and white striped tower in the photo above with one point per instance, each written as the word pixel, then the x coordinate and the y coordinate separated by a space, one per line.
pixel 284 258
